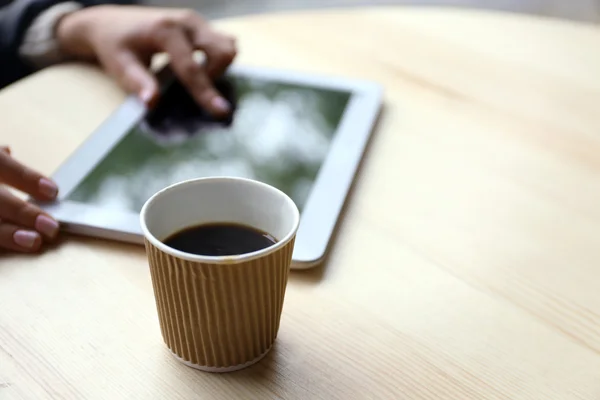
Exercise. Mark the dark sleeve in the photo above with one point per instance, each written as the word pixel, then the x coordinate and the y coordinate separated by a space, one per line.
pixel 15 18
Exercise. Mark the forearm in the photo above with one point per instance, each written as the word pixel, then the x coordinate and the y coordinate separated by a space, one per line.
pixel 40 46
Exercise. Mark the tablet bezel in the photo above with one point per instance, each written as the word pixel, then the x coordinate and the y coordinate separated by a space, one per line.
pixel 321 211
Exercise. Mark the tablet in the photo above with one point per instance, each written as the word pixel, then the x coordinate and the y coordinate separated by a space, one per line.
pixel 304 134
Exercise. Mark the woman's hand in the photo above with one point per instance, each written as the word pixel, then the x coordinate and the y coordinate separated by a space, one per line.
pixel 23 226
pixel 124 39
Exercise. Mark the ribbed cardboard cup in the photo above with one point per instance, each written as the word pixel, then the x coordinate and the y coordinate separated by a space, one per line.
pixel 219 314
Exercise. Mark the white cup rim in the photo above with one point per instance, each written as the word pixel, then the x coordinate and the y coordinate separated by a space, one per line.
pixel 234 259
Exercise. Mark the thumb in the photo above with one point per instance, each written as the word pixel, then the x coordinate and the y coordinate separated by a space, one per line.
pixel 134 76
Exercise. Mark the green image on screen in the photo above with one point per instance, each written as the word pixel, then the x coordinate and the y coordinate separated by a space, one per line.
pixel 280 134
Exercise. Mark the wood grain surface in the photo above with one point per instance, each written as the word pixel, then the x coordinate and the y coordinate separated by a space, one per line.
pixel 467 264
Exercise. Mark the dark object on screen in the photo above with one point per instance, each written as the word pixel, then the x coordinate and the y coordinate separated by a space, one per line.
pixel 177 111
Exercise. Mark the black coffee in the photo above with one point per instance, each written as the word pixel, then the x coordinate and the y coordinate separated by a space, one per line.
pixel 220 240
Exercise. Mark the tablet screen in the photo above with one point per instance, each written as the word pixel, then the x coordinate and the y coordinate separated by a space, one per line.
pixel 278 133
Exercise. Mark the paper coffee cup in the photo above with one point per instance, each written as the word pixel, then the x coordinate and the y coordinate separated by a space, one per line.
pixel 219 314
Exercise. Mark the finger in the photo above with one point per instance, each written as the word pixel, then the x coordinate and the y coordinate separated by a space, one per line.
pixel 25 179
pixel 220 50
pixel 27 215
pixel 175 42
pixel 133 75
pixel 15 238
pixel 5 149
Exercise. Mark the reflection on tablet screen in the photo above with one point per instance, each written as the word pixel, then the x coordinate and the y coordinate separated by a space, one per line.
pixel 278 134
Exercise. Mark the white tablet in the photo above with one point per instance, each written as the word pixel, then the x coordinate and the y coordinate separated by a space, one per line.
pixel 303 134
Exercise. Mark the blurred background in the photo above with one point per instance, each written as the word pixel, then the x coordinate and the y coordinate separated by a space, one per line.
pixel 581 10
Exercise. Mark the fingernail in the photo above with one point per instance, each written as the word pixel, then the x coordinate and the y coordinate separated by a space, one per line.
pixel 26 239
pixel 46 225
pixel 146 95
pixel 220 104
pixel 48 188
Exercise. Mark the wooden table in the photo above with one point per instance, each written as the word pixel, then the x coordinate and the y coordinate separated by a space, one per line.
pixel 468 262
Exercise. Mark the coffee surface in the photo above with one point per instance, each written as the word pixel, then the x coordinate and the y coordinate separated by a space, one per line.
pixel 220 239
